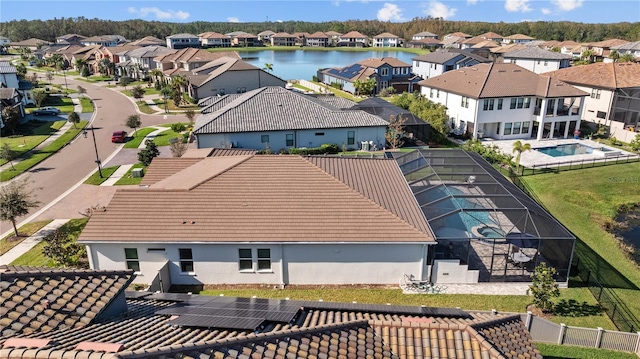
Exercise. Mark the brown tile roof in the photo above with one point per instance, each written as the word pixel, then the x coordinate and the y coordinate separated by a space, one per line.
pixel 209 152
pixel 333 33
pixel 386 35
pixel 260 195
pixel 282 35
pixel 46 299
pixel 491 35
pixel 213 35
pixel 519 37
pixel 354 34
pixel 161 168
pixel 608 43
pixel 318 35
pixel 505 335
pixel 191 54
pixel 376 62
pixel 500 80
pixel 611 75
pixel 459 34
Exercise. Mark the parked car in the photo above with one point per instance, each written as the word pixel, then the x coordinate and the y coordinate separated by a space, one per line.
pixel 119 136
pixel 46 111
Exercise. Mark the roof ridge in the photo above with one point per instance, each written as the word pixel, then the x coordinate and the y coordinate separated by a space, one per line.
pixel 486 79
pixel 484 342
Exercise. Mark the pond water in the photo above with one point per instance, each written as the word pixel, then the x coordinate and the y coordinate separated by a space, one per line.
pixel 303 65
pixel 629 228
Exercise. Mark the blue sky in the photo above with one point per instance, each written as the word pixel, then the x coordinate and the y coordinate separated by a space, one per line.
pixel 588 11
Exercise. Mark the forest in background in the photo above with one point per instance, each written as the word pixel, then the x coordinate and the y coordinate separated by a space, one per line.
pixel 18 30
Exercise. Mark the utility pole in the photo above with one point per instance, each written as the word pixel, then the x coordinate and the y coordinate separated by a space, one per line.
pixel 96 148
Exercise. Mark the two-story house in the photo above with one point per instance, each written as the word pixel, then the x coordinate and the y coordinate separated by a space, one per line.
pixel 14 93
pixel 614 95
pixel 438 62
pixel 265 36
pixel 244 39
pixel 283 39
pixel 492 36
pixel 424 35
pixel 70 39
pixel 386 40
pixel 632 48
pixel 104 40
pixel 318 39
pixel 353 39
pixel 214 39
pixel 186 60
pixel 538 60
pixel 181 41
pixel 602 49
pixel 334 36
pixel 148 41
pixel 386 71
pixel 506 101
pixel 517 39
pixel 142 60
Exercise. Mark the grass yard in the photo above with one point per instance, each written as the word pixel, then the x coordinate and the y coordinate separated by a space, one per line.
pixel 172 106
pixel 127 179
pixel 34 257
pixel 550 351
pixel 134 142
pixel 31 134
pixel 145 108
pixel 95 177
pixel 87 105
pixel 162 139
pixel 25 231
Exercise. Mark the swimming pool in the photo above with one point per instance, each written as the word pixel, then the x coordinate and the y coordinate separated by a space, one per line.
pixel 566 150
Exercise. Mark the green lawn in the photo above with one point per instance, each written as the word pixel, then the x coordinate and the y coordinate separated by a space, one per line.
pixel 172 106
pixel 87 105
pixel 550 351
pixel 34 257
pixel 95 177
pixel 31 134
pixel 162 139
pixel 134 142
pixel 127 179
pixel 145 108
pixel 25 231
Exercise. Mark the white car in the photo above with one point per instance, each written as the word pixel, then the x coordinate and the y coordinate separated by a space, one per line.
pixel 46 111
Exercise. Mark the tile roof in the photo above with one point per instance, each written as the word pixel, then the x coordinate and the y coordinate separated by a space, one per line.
pixel 376 62
pixel 386 35
pixel 259 195
pixel 459 34
pixel 536 53
pixel 611 75
pixel 491 35
pixel 608 43
pixel 30 42
pixel 213 152
pixel 213 35
pixel 190 54
pixel 519 37
pixel 181 36
pixel 215 68
pixel 354 34
pixel 275 108
pixel 500 80
pixel 425 33
pixel 426 41
pixel 44 299
pixel 442 56
pixel 318 35
pixel 7 68
pixel 150 52
pixel 628 46
pixel 148 40
pixel 281 35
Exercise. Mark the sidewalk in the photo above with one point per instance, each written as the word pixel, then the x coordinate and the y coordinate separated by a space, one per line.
pixel 30 242
pixel 119 173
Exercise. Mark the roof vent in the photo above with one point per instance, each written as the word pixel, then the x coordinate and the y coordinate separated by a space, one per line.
pixel 517 70
pixel 29 343
pixel 502 70
pixel 100 347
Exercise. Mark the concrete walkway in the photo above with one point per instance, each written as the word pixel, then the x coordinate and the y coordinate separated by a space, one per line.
pixel 30 242
pixel 119 173
pixel 152 135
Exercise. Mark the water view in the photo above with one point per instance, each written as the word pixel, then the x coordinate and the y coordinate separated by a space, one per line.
pixel 300 64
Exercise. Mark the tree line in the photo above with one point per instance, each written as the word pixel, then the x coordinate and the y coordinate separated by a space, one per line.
pixel 18 30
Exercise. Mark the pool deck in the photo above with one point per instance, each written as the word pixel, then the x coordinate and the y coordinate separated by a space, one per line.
pixel 540 160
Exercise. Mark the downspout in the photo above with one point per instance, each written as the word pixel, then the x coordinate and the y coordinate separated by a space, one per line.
pixel 282 284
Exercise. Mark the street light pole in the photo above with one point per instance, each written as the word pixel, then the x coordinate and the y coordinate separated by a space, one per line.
pixel 96 148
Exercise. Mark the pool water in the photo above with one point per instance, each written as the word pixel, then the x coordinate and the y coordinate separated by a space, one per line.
pixel 491 232
pixel 566 150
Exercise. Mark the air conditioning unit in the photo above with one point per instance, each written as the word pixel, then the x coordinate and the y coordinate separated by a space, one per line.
pixel 137 172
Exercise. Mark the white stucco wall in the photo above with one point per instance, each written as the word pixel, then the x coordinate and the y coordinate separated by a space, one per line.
pixel 229 82
pixel 533 65
pixel 334 263
pixel 593 105
pixel 426 70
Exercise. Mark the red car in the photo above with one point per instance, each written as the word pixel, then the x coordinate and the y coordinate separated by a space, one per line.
pixel 119 136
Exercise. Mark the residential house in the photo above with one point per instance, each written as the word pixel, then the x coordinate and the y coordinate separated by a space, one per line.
pixel 426 43
pixel 149 41
pixel 104 40
pixel 458 34
pixel 181 41
pixel 318 39
pixel 386 71
pixel 496 54
pixel 438 62
pixel 538 60
pixel 115 55
pixel 138 62
pixel 4 41
pixel 424 35
pixel 506 101
pixel 632 48
pixel 452 42
pixel 228 75
pixel 353 39
pixel 614 99
pixel 492 36
pixel 70 39
pixel 244 39
pixel 188 59
pixel 14 92
pixel 283 39
pixel 301 38
pixel 517 39
pixel 265 36
pixel 472 41
pixel 32 44
pixel 282 119
pixel 333 36
pixel 214 39
pixel 386 40
pixel 84 54
pixel 10 98
pixel 116 323
pixel 602 49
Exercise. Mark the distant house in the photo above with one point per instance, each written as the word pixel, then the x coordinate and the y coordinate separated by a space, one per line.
pixel 149 41
pixel 14 92
pixel 31 43
pixel 283 39
pixel 333 37
pixel 244 39
pixel 506 101
pixel 426 43
pixel 492 36
pixel 70 39
pixel 386 71
pixel 188 59
pixel 228 75
pixel 538 60
pixel 142 60
pixel 265 36
pixel 458 34
pixel 614 100
pixel 104 40
pixel 112 54
pixel 301 38
pixel 4 41
pixel 278 118
pixel 424 35
pixel 438 62
pixel 318 39
pixel 602 49
pixel 181 41
pixel 517 39
pixel 353 39
pixel 471 42
pixel 386 40
pixel 214 39
pixel 632 48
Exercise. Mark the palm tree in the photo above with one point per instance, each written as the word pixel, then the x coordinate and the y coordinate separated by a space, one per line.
pixel 179 82
pixel 80 64
pixel 166 93
pixel 268 67
pixel 614 55
pixel 519 147
pixel 104 65
pixel 587 55
pixel 626 58
pixel 156 74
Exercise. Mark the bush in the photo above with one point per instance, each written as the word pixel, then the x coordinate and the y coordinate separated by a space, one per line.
pixel 178 127
pixel 329 148
pixel 336 85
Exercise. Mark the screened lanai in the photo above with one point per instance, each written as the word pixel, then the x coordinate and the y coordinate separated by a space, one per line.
pixel 481 219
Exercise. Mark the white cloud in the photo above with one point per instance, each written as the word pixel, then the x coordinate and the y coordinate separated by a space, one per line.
pixel 160 14
pixel 233 19
pixel 437 9
pixel 279 21
pixel 517 5
pixel 390 12
pixel 472 2
pixel 567 5
pixel 545 11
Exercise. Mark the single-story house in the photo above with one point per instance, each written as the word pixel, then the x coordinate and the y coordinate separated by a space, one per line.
pixel 280 119
pixel 506 101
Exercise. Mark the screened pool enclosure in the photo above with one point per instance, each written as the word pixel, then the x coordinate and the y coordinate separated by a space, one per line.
pixel 487 229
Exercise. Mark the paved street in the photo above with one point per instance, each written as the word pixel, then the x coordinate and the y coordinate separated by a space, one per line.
pixel 64 170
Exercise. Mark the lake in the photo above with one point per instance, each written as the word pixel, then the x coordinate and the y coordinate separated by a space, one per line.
pixel 300 64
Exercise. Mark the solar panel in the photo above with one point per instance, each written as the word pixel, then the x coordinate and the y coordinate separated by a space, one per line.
pixel 217 322
pixel 130 294
pixel 390 309
pixel 171 297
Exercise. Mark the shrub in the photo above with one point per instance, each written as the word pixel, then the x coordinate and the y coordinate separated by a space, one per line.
pixel 635 143
pixel 329 148
pixel 178 127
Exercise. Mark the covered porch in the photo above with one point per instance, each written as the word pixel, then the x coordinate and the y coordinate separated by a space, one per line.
pixel 556 117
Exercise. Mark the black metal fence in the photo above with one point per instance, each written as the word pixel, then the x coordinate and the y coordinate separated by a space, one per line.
pixel 578 164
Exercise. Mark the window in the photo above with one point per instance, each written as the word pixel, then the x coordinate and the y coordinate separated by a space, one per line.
pixel 438 93
pixel 520 102
pixel 186 260
pixel 595 94
pixel 525 127
pixel 221 92
pixel 264 138
pixel 264 259
pixel 131 255
pixel 289 139
pixel 431 93
pixel 319 133
pixel 435 66
pixel 384 71
pixel 601 114
pixel 155 250
pixel 351 137
pixel 498 130
pixel 499 104
pixel 507 128
pixel 546 63
pixel 516 128
pixel 245 259
pixel 465 102
pixel 513 103
pixel 527 102
pixel 241 89
pixel 488 105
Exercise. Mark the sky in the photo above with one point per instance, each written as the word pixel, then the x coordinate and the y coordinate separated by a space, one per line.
pixel 587 11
